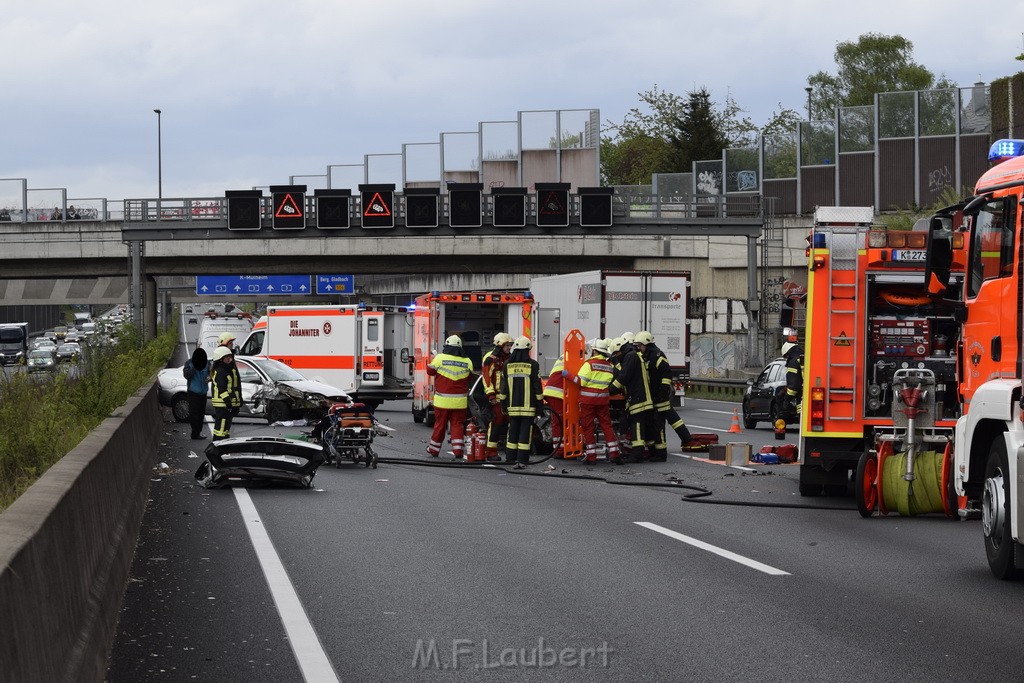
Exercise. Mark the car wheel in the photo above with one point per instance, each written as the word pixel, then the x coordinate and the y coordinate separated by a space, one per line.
pixel 179 408
pixel 418 416
pixel 749 422
pixel 278 411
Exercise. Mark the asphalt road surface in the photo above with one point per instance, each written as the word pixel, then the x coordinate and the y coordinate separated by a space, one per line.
pixel 421 572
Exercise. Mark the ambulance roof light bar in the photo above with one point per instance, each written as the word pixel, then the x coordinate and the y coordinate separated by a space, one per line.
pixel 1004 149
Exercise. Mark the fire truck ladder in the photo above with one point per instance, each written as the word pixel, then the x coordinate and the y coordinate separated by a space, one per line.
pixel 844 294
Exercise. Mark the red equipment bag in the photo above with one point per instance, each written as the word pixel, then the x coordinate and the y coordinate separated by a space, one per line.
pixel 700 442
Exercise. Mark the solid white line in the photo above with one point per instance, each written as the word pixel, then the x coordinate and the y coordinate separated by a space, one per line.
pixel 727 554
pixel 720 412
pixel 309 653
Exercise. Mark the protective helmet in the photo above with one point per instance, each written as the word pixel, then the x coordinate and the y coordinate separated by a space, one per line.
pixel 787 347
pixel 790 334
pixel 627 337
pixel 522 343
pixel 225 337
pixel 643 337
pixel 453 340
pixel 222 351
pixel 502 338
pixel 615 345
pixel 601 346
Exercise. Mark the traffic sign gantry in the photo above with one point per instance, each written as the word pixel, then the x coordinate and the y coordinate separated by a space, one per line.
pixel 378 205
pixel 335 284
pixel 252 285
pixel 289 206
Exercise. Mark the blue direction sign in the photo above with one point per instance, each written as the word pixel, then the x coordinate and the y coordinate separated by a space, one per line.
pixel 335 284
pixel 242 285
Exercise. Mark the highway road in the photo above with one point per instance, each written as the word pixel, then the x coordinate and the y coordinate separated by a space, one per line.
pixel 414 571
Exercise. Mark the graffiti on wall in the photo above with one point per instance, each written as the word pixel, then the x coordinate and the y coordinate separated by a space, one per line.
pixel 712 355
pixel 709 182
pixel 939 179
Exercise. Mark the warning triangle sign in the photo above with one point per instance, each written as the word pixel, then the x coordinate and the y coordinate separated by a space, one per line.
pixel 842 340
pixel 288 208
pixel 377 207
pixel 553 204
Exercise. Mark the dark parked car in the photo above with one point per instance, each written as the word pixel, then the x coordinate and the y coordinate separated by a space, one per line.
pixel 765 399
pixel 68 353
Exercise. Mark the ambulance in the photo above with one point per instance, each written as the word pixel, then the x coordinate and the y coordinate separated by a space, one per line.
pixel 340 345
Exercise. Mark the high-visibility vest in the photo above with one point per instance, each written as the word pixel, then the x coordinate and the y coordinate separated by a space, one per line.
pixel 594 378
pixel 452 380
pixel 520 385
pixel 225 393
pixel 555 387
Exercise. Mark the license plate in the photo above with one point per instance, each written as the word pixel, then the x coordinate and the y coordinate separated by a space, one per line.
pixel 908 254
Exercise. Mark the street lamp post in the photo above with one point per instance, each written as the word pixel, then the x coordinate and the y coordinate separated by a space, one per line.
pixel 159 166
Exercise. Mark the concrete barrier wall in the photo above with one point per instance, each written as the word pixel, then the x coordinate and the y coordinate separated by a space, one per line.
pixel 66 547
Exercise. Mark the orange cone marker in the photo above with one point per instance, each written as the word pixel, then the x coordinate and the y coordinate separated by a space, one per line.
pixel 735 427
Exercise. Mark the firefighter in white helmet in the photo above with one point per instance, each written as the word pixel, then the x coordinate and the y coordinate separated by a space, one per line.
pixel 522 391
pixel 490 373
pixel 594 379
pixel 644 425
pixel 451 370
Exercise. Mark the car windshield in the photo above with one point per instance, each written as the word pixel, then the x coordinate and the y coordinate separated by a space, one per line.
pixel 68 348
pixel 275 370
pixel 40 354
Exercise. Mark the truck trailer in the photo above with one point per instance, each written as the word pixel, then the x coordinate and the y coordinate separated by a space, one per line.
pixel 13 343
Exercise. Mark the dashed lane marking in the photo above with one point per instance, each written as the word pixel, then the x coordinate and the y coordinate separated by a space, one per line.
pixel 721 552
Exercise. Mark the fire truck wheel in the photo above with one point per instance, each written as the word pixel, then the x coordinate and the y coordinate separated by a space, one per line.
pixel 430 418
pixel 995 514
pixel 864 484
pixel 417 416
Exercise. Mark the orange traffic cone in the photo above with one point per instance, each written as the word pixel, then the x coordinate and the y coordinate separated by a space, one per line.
pixel 734 428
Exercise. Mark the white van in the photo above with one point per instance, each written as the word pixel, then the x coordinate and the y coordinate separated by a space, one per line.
pixel 212 326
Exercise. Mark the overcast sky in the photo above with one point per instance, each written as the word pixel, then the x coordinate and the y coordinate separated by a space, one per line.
pixel 254 91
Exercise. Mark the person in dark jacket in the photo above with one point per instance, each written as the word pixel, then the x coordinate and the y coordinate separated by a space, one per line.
pixel 197 372
pixel 661 384
pixel 523 394
pixel 645 432
pixel 794 355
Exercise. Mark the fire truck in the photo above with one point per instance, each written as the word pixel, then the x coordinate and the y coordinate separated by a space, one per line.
pixel 879 380
pixel 988 445
pixel 475 317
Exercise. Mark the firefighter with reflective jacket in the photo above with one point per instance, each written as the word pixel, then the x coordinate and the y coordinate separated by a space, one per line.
pixel 554 396
pixel 645 425
pixel 523 394
pixel 594 379
pixel 490 374
pixel 794 355
pixel 226 390
pixel 451 370
pixel 661 383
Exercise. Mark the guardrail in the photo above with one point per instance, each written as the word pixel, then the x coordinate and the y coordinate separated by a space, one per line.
pixel 723 388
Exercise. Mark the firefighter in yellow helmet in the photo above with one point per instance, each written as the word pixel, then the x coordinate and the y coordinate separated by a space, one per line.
pixel 521 389
pixel 594 379
pixel 451 370
pixel 661 386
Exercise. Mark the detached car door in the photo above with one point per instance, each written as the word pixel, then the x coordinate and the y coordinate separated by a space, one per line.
pixel 252 383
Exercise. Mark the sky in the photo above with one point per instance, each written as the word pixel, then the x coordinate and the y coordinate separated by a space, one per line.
pixel 253 92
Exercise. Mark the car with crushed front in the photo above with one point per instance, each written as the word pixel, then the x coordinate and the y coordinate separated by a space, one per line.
pixel 270 390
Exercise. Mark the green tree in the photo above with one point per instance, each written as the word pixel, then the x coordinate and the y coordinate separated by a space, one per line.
pixel 874 63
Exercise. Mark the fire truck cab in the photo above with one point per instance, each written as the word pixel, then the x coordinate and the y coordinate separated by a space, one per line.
pixel 870 324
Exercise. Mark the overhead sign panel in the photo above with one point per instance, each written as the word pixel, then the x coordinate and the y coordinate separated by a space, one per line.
pixel 553 205
pixel 335 284
pixel 289 206
pixel 422 207
pixel 509 205
pixel 333 208
pixel 465 205
pixel 596 206
pixel 378 203
pixel 252 285
pixel 243 209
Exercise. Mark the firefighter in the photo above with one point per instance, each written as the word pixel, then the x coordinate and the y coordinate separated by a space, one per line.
pixel 490 372
pixel 661 383
pixel 522 391
pixel 794 355
pixel 617 399
pixel 226 390
pixel 644 424
pixel 554 395
pixel 594 380
pixel 452 370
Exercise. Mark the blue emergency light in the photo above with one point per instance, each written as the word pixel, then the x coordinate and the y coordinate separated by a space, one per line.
pixel 1001 150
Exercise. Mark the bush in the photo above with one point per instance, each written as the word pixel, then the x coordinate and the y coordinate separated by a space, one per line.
pixel 41 421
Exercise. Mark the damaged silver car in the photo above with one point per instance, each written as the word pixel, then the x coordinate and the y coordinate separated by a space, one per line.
pixel 270 389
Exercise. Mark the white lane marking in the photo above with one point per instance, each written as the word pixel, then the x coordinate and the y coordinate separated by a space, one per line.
pixel 727 554
pixel 719 412
pixel 309 652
